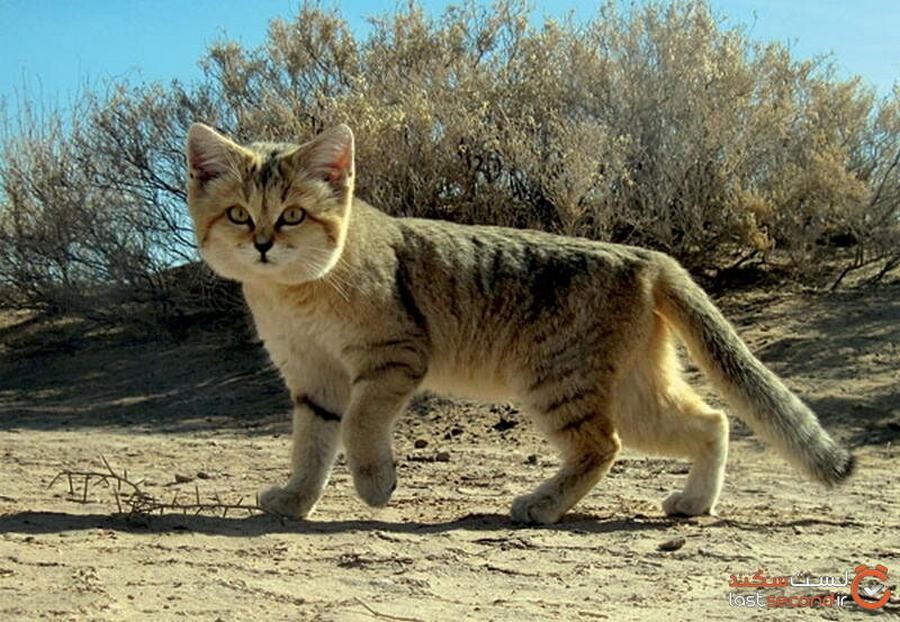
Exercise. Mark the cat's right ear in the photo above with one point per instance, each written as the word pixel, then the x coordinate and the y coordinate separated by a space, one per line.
pixel 209 154
pixel 329 157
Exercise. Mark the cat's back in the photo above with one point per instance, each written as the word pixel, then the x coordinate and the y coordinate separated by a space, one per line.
pixel 494 256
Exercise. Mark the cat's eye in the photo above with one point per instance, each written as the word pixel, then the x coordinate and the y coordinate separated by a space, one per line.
pixel 238 215
pixel 292 216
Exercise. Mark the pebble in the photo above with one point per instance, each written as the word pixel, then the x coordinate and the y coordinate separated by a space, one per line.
pixel 672 545
pixel 505 424
pixel 420 443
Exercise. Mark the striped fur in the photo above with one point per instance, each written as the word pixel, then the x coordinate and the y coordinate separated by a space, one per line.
pixel 360 310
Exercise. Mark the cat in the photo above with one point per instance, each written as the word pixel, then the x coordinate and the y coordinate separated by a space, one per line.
pixel 360 310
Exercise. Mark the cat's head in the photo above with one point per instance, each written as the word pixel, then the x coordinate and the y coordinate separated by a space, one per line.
pixel 270 212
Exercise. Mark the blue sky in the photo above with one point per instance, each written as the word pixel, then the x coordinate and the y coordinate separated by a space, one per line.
pixel 49 48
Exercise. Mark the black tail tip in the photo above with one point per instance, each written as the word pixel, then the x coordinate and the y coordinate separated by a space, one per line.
pixel 841 470
pixel 849 467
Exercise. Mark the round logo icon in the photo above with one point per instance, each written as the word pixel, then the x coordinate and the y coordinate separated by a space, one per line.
pixel 866 595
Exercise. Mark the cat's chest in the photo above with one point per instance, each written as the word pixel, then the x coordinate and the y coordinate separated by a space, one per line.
pixel 286 329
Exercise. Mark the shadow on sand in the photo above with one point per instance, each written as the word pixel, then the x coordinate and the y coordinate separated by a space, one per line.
pixel 36 523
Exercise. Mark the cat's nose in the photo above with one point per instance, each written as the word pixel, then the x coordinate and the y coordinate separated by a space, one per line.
pixel 263 245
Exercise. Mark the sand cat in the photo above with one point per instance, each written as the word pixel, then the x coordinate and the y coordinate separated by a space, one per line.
pixel 360 310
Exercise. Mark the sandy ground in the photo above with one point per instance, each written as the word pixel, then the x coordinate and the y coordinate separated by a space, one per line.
pixel 444 549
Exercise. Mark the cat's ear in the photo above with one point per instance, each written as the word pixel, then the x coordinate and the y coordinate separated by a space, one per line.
pixel 209 154
pixel 329 157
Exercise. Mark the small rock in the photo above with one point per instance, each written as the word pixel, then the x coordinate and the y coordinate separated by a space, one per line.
pixel 442 456
pixel 420 443
pixel 532 459
pixel 183 479
pixel 456 431
pixel 672 545
pixel 203 475
pixel 505 424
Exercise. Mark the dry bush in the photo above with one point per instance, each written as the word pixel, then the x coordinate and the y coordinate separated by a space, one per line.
pixel 651 125
pixel 66 237
pixel 92 214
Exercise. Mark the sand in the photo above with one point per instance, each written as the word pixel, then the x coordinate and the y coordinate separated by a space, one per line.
pixel 209 411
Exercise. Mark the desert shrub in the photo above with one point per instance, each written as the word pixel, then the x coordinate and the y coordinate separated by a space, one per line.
pixel 652 125
pixel 65 235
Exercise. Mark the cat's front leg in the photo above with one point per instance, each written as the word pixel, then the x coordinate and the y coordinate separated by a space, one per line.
pixel 316 431
pixel 378 396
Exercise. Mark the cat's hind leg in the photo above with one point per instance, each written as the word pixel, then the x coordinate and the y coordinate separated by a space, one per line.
pixel 659 413
pixel 576 423
pixel 683 425
pixel 316 433
pixel 700 433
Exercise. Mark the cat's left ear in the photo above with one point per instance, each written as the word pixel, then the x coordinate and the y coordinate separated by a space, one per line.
pixel 329 156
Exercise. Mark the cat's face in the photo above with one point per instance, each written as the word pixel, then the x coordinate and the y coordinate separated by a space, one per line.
pixel 270 212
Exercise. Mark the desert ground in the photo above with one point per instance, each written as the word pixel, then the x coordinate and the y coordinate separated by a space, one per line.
pixel 204 416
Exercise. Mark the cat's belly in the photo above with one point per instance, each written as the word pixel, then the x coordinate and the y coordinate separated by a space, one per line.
pixel 485 387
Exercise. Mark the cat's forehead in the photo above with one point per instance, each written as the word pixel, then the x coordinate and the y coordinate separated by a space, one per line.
pixel 268 168
pixel 268 149
pixel 268 157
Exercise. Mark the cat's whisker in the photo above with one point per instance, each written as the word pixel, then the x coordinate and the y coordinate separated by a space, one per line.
pixel 333 278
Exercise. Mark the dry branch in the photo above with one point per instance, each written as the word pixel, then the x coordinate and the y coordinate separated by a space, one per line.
pixel 385 616
pixel 135 500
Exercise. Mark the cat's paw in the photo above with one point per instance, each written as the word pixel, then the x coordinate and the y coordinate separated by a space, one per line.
pixel 536 509
pixel 680 504
pixel 375 483
pixel 285 502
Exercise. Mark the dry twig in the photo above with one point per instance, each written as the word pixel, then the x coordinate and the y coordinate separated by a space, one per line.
pixel 385 616
pixel 135 500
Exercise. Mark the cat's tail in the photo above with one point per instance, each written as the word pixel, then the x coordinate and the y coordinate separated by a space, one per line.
pixel 756 394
